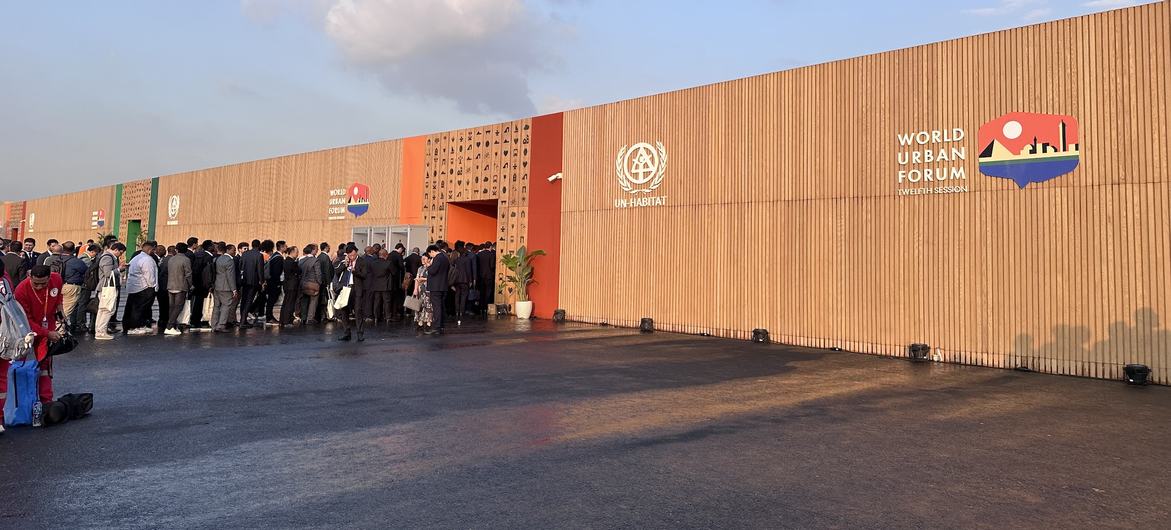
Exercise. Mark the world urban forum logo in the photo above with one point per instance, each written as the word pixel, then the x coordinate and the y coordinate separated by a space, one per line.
pixel 1029 148
pixel 359 199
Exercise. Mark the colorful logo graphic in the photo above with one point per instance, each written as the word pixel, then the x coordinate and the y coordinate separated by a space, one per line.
pixel 98 219
pixel 359 200
pixel 1028 148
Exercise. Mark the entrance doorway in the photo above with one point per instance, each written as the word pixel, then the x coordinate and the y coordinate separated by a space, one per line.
pixel 471 221
pixel 133 228
pixel 388 236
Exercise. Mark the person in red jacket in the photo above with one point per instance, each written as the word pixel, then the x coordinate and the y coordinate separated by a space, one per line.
pixel 40 296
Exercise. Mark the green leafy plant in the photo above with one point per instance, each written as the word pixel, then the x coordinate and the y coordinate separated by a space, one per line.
pixel 520 272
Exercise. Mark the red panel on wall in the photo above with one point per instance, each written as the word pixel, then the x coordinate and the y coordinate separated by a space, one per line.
pixel 545 212
pixel 411 194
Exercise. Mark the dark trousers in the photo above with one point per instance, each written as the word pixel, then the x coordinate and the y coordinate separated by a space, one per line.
pixel 437 298
pixel 380 305
pixel 197 316
pixel 461 299
pixel 138 307
pixel 486 292
pixel 289 304
pixel 396 303
pixel 176 301
pixel 164 299
pixel 354 309
pixel 80 311
pixel 272 292
pixel 247 298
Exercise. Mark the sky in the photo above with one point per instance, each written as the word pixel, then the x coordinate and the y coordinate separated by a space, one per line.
pixel 95 93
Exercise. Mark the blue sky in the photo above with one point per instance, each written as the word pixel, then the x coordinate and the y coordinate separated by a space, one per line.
pixel 95 93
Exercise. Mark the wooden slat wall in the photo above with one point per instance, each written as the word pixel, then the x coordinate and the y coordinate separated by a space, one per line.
pixel 783 212
pixel 69 217
pixel 283 198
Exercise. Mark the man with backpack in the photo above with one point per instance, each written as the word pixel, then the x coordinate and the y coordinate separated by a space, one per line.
pixel 86 313
pixel 39 296
pixel 72 271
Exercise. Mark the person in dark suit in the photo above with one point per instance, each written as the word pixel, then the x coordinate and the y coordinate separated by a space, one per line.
pixel 351 272
pixel 437 286
pixel 292 286
pixel 325 262
pixel 276 268
pixel 200 260
pixel 465 274
pixel 369 255
pixel 379 286
pixel 486 275
pixel 252 277
pixel 163 254
pixel 13 260
pixel 397 294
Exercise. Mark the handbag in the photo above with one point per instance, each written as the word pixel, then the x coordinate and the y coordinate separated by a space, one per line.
pixel 414 303
pixel 66 343
pixel 185 314
pixel 343 298
pixel 208 305
pixel 108 296
pixel 311 288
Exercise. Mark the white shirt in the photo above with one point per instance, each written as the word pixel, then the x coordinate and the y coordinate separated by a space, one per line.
pixel 143 274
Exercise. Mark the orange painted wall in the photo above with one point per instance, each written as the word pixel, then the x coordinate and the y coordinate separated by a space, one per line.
pixel 471 222
pixel 545 212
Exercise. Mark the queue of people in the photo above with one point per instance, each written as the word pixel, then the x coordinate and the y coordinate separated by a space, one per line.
pixel 74 289
pixel 203 285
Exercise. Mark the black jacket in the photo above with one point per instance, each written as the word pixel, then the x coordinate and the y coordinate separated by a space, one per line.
pixel 379 279
pixel 326 265
pixel 413 262
pixel 252 263
pixel 396 270
pixel 466 263
pixel 486 265
pixel 437 273
pixel 200 260
pixel 276 266
pixel 292 274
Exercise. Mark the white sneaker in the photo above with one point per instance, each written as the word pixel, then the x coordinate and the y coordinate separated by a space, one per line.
pixel 1 427
pixel 103 336
pixel 172 332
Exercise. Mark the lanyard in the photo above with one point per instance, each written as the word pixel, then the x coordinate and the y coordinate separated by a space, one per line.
pixel 45 310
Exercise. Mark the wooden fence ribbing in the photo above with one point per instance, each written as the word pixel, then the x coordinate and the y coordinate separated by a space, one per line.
pixel 783 211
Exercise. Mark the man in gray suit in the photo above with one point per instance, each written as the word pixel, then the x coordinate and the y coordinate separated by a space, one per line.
pixel 326 266
pixel 179 284
pixel 224 288
pixel 310 275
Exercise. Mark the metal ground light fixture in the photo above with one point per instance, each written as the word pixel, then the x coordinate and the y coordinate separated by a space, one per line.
pixel 1136 374
pixel 646 325
pixel 919 352
pixel 760 336
pixel 559 316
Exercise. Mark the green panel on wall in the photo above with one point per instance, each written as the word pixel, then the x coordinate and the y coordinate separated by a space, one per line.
pixel 117 224
pixel 154 208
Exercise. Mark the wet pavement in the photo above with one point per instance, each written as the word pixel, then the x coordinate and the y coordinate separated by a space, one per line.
pixel 533 425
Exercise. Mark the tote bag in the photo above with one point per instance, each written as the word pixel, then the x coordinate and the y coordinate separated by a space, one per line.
pixel 108 296
pixel 185 314
pixel 343 298
pixel 208 305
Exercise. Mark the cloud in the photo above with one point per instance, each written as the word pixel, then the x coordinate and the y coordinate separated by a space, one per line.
pixel 552 103
pixel 1010 7
pixel 478 54
pixel 1110 4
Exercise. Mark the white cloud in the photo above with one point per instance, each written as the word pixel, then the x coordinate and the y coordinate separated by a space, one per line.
pixel 478 54
pixel 551 104
pixel 1110 4
pixel 1008 7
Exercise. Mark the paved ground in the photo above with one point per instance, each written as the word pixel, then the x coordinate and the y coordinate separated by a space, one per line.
pixel 576 426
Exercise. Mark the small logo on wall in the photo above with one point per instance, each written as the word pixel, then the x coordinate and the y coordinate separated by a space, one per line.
pixel 641 168
pixel 32 219
pixel 173 210
pixel 359 200
pixel 1029 148
pixel 97 219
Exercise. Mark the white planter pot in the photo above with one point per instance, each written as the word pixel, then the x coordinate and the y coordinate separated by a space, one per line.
pixel 524 310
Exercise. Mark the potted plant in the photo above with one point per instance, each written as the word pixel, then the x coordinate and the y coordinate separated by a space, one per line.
pixel 520 275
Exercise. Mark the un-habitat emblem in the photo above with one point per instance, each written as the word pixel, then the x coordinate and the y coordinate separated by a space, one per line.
pixel 640 169
pixel 1029 148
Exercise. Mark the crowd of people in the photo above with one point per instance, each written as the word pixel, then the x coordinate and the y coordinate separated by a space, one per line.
pixel 75 289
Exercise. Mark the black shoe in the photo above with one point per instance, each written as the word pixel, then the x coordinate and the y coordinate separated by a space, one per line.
pixel 245 326
pixel 344 338
pixel 361 338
